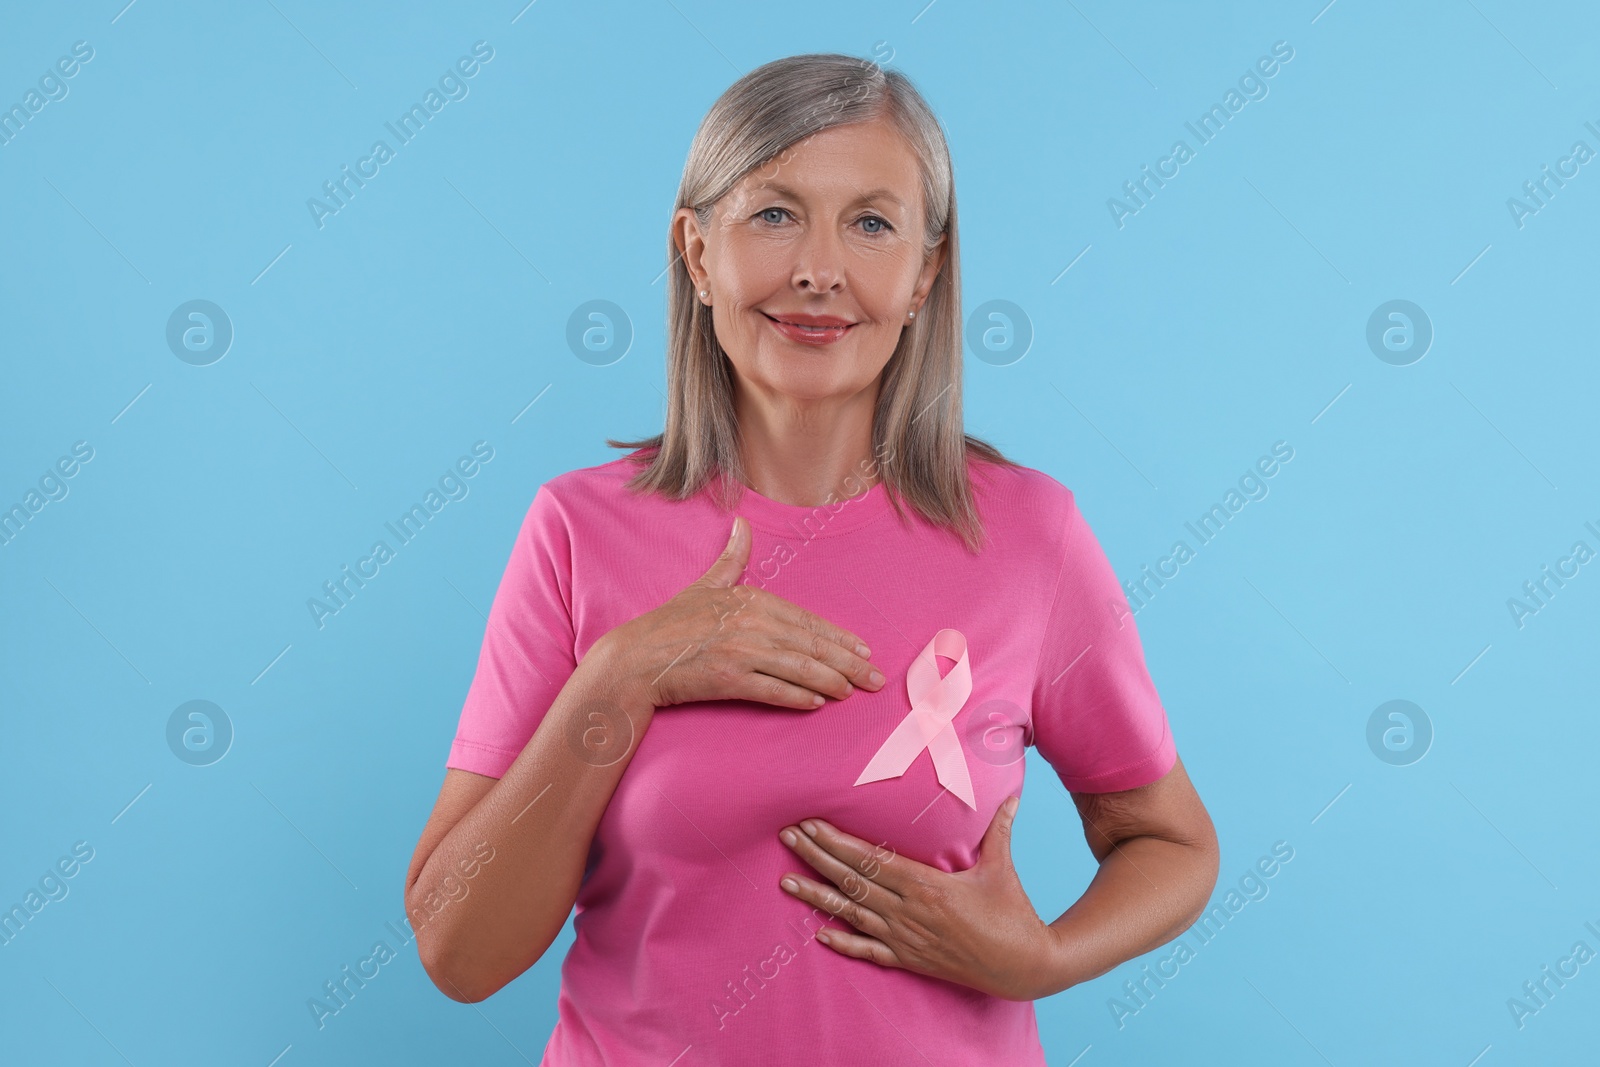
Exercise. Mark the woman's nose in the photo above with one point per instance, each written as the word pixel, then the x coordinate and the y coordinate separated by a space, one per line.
pixel 819 266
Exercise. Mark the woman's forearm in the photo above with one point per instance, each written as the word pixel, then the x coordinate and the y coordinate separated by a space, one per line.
pixel 1147 891
pixel 539 819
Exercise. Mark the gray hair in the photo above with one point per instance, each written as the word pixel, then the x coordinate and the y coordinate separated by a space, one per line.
pixel 919 446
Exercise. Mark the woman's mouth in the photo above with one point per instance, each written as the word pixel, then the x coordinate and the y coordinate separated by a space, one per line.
pixel 811 329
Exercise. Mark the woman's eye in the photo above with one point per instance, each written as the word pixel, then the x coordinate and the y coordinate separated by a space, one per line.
pixel 775 215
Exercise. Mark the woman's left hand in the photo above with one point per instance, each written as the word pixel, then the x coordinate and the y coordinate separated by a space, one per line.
pixel 974 927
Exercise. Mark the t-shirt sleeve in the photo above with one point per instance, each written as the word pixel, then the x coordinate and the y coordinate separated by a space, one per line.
pixel 1097 718
pixel 529 650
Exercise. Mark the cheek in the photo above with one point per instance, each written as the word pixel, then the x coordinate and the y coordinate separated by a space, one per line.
pixel 884 283
pixel 753 266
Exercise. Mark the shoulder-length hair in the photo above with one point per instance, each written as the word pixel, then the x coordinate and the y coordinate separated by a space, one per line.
pixel 919 446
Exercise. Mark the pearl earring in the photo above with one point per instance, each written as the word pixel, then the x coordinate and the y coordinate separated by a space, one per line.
pixel 704 293
pixel 911 314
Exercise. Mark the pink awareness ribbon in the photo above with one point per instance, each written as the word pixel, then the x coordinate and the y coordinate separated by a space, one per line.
pixel 934 702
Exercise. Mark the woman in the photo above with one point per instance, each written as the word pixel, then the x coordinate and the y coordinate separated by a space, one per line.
pixel 777 782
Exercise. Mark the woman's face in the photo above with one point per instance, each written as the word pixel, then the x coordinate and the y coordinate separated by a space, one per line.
pixel 830 230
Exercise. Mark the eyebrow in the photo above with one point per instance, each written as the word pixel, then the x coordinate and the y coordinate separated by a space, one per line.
pixel 866 197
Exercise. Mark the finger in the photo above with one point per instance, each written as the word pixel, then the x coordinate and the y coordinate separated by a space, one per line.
pixel 832 655
pixel 729 567
pixel 835 670
pixel 855 881
pixel 835 903
pixel 860 946
pixel 787 611
pixel 996 844
pixel 802 670
pixel 833 852
pixel 765 688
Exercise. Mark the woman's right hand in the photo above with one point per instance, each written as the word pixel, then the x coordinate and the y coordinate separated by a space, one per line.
pixel 719 640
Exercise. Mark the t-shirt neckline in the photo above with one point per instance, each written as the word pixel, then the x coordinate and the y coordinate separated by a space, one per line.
pixel 813 520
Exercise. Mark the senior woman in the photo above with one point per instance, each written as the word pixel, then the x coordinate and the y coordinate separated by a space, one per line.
pixel 776 769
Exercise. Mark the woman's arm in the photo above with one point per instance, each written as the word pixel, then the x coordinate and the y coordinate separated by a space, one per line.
pixel 476 934
pixel 499 864
pixel 1158 865
pixel 977 928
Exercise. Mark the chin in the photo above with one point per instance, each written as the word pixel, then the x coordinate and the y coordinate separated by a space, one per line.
pixel 787 373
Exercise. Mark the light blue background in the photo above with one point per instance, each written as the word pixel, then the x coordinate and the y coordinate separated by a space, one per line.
pixel 1226 315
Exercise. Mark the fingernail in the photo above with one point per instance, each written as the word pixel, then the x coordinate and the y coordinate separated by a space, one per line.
pixel 790 884
pixel 876 677
pixel 809 827
pixel 788 837
pixel 863 651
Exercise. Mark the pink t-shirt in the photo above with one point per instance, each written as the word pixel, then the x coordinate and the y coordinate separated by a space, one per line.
pixel 687 950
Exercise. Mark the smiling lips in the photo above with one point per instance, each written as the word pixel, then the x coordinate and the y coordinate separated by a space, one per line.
pixel 811 329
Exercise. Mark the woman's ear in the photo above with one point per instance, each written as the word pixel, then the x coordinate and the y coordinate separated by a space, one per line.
pixel 930 271
pixel 691 244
